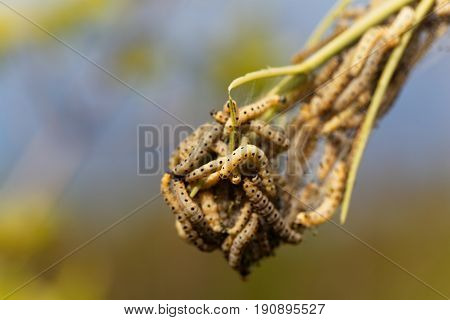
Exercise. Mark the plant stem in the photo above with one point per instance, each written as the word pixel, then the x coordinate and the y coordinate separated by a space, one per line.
pixel 326 22
pixel 422 9
pixel 347 37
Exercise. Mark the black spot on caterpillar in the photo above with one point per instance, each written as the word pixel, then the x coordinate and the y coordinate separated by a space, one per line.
pixel 242 240
pixel 182 224
pixel 200 152
pixel 269 132
pixel 363 49
pixel 189 207
pixel 244 153
pixel 186 146
pixel 267 182
pixel 205 169
pixel 219 116
pixel 211 210
pixel 265 208
pixel 254 110
pixel 193 212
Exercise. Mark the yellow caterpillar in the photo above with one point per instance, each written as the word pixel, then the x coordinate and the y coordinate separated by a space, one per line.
pixel 269 132
pixel 262 206
pixel 335 188
pixel 327 71
pixel 200 151
pixel 182 225
pixel 211 210
pixel 248 152
pixel 402 22
pixel 254 110
pixel 242 240
pixel 363 49
pixel 205 169
pixel 219 116
pixel 442 8
pixel 329 91
pixel 239 224
pixel 220 148
pixel 329 157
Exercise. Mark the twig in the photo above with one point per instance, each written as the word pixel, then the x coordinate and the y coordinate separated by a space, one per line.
pixel 385 78
pixel 326 22
pixel 346 38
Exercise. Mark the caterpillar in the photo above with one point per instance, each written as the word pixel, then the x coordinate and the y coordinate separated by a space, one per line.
pixel 354 121
pixel 219 116
pixel 306 197
pixel 242 240
pixel 186 232
pixel 240 155
pixel 363 82
pixel 254 110
pixel 265 247
pixel 192 211
pixel 241 219
pixel 189 207
pixel 182 225
pixel 205 169
pixel 267 182
pixel 211 180
pixel 335 187
pixel 328 92
pixel 348 117
pixel 188 144
pixel 402 22
pixel 329 156
pixel 180 230
pixel 269 132
pixel 211 210
pixel 309 194
pixel 267 211
pixel 182 151
pixel 339 119
pixel 239 224
pixel 355 88
pixel 167 194
pixel 363 48
pixel 310 141
pixel 327 71
pixel 172 202
pixel 442 8
pixel 200 151
pixel 220 148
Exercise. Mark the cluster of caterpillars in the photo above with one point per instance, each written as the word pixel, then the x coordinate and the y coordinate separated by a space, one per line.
pixel 227 193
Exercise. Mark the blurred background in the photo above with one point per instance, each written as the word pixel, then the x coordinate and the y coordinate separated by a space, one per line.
pixel 69 156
